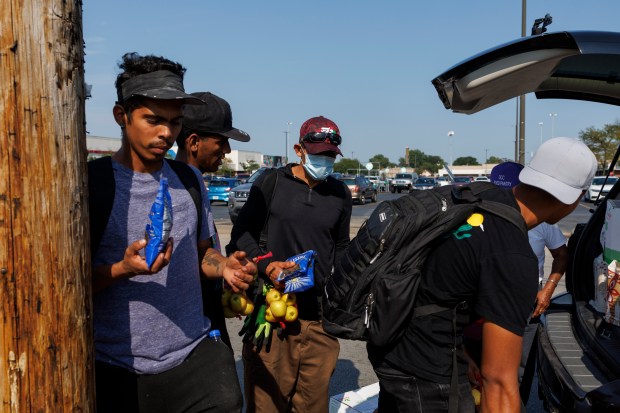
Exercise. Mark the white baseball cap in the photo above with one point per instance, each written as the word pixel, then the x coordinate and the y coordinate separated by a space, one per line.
pixel 563 167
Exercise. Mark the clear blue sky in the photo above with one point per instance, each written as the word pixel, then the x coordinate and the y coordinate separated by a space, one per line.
pixel 367 65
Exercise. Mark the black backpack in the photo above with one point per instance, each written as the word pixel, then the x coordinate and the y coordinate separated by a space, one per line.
pixel 371 292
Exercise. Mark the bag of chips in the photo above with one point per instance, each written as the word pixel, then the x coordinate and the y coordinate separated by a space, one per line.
pixel 301 276
pixel 159 224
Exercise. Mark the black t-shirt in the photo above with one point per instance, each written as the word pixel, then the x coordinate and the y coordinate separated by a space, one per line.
pixel 486 262
pixel 300 219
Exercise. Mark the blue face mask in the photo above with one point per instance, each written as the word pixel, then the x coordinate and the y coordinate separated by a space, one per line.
pixel 318 166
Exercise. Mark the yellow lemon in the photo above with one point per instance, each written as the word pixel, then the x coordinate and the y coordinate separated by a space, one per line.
pixel 476 394
pixel 226 297
pixel 238 303
pixel 273 295
pixel 289 299
pixel 248 308
pixel 278 308
pixel 269 317
pixel 291 314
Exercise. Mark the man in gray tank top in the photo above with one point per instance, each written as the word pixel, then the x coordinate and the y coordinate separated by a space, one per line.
pixel 150 348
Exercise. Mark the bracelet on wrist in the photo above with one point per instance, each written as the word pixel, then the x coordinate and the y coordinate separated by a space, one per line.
pixel 552 281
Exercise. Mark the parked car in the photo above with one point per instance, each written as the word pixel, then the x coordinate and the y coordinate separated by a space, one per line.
pixel 578 352
pixel 482 179
pixel 462 180
pixel 219 189
pixel 403 181
pixel 444 180
pixel 425 182
pixel 361 188
pixel 240 193
pixel 243 178
pixel 377 183
pixel 596 188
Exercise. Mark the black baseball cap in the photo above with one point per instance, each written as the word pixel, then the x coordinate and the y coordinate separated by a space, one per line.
pixel 160 84
pixel 213 118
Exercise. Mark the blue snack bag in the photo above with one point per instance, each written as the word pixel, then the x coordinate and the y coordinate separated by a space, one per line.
pixel 159 224
pixel 301 276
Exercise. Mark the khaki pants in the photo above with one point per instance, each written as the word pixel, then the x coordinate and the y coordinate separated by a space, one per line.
pixel 294 375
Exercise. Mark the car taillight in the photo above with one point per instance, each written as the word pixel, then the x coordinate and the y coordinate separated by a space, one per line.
pixel 227 189
pixel 356 188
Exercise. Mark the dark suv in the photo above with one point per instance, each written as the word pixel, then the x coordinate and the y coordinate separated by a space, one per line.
pixel 239 194
pixel 578 351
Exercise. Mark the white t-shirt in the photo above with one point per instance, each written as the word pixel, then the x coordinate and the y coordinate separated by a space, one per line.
pixel 541 236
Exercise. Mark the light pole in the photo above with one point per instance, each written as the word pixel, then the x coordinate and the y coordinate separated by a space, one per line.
pixel 541 125
pixel 286 132
pixel 521 124
pixel 450 134
pixel 552 116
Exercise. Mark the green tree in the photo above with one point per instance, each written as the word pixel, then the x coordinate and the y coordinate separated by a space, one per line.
pixel 466 160
pixel 226 168
pixel 250 166
pixel 345 164
pixel 495 159
pixel 380 161
pixel 432 164
pixel 422 162
pixel 602 142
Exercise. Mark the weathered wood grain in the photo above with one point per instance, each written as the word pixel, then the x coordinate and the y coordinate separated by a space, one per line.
pixel 45 322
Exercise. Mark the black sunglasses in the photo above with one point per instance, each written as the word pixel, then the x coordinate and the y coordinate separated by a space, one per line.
pixel 317 137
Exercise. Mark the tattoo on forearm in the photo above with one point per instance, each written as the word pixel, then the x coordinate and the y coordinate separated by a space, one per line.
pixel 211 259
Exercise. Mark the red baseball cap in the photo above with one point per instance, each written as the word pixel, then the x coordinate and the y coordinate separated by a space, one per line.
pixel 320 134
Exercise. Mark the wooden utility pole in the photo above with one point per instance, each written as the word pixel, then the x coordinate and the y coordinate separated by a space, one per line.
pixel 45 301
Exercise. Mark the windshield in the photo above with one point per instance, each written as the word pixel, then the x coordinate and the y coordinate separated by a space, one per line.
pixel 599 181
pixel 462 179
pixel 425 181
pixel 256 174
pixel 403 176
pixel 348 181
pixel 221 183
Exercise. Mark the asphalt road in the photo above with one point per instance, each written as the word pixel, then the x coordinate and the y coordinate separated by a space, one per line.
pixel 353 369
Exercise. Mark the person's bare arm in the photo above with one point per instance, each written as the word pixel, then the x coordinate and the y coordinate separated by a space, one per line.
pixel 501 355
pixel 132 264
pixel 236 269
pixel 558 268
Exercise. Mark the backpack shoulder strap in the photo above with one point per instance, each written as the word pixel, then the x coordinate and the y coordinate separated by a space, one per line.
pixel 506 212
pixel 471 194
pixel 101 190
pixel 269 190
pixel 191 183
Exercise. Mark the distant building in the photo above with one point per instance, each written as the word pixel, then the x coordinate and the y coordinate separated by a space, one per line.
pixel 99 146
pixel 238 159
pixel 468 170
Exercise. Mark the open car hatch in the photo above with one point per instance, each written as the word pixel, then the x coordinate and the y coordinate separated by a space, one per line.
pixel 581 65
